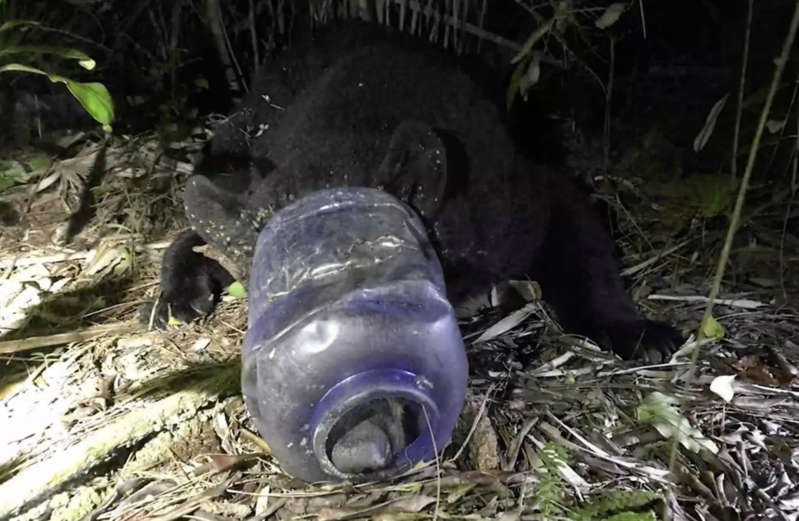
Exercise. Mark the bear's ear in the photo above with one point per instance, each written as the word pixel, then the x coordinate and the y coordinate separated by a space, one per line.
pixel 414 168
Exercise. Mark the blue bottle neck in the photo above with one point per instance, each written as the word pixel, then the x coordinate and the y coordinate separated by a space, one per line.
pixel 358 390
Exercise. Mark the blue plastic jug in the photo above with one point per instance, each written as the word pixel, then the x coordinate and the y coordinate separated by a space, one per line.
pixel 353 366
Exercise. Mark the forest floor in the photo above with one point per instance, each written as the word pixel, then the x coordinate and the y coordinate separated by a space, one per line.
pixel 101 418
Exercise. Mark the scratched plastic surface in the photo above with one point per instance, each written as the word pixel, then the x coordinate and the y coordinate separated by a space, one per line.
pixel 348 306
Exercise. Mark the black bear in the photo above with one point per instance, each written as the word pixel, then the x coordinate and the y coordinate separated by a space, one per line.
pixel 400 116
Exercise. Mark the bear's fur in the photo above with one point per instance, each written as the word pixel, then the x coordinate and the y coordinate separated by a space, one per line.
pixel 401 116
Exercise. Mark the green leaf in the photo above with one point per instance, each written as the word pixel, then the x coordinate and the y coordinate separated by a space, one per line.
pixel 12 173
pixel 775 125
pixel 631 516
pixel 237 290
pixel 532 39
pixel 710 328
pixel 758 97
pixel 610 15
pixel 616 505
pixel 515 82
pixel 550 488
pixel 713 193
pixel 660 411
pixel 64 52
pixel 22 68
pixel 17 23
pixel 532 75
pixel 95 99
pixel 563 16
pixel 38 161
pixel 702 138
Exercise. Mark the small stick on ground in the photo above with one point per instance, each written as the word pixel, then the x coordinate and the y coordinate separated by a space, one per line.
pixel 25 344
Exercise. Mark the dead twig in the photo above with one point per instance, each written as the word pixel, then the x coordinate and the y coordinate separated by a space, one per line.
pixel 25 344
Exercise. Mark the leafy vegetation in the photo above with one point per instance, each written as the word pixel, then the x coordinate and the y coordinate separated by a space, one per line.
pixel 609 505
pixel 23 48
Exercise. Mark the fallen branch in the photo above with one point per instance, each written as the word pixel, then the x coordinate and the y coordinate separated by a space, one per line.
pixel 632 270
pixel 34 342
pixel 734 303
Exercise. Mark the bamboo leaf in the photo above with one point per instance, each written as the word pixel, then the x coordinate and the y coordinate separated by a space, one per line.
pixel 710 124
pixel 56 50
pixel 660 411
pixel 532 39
pixel 18 23
pixel 610 15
